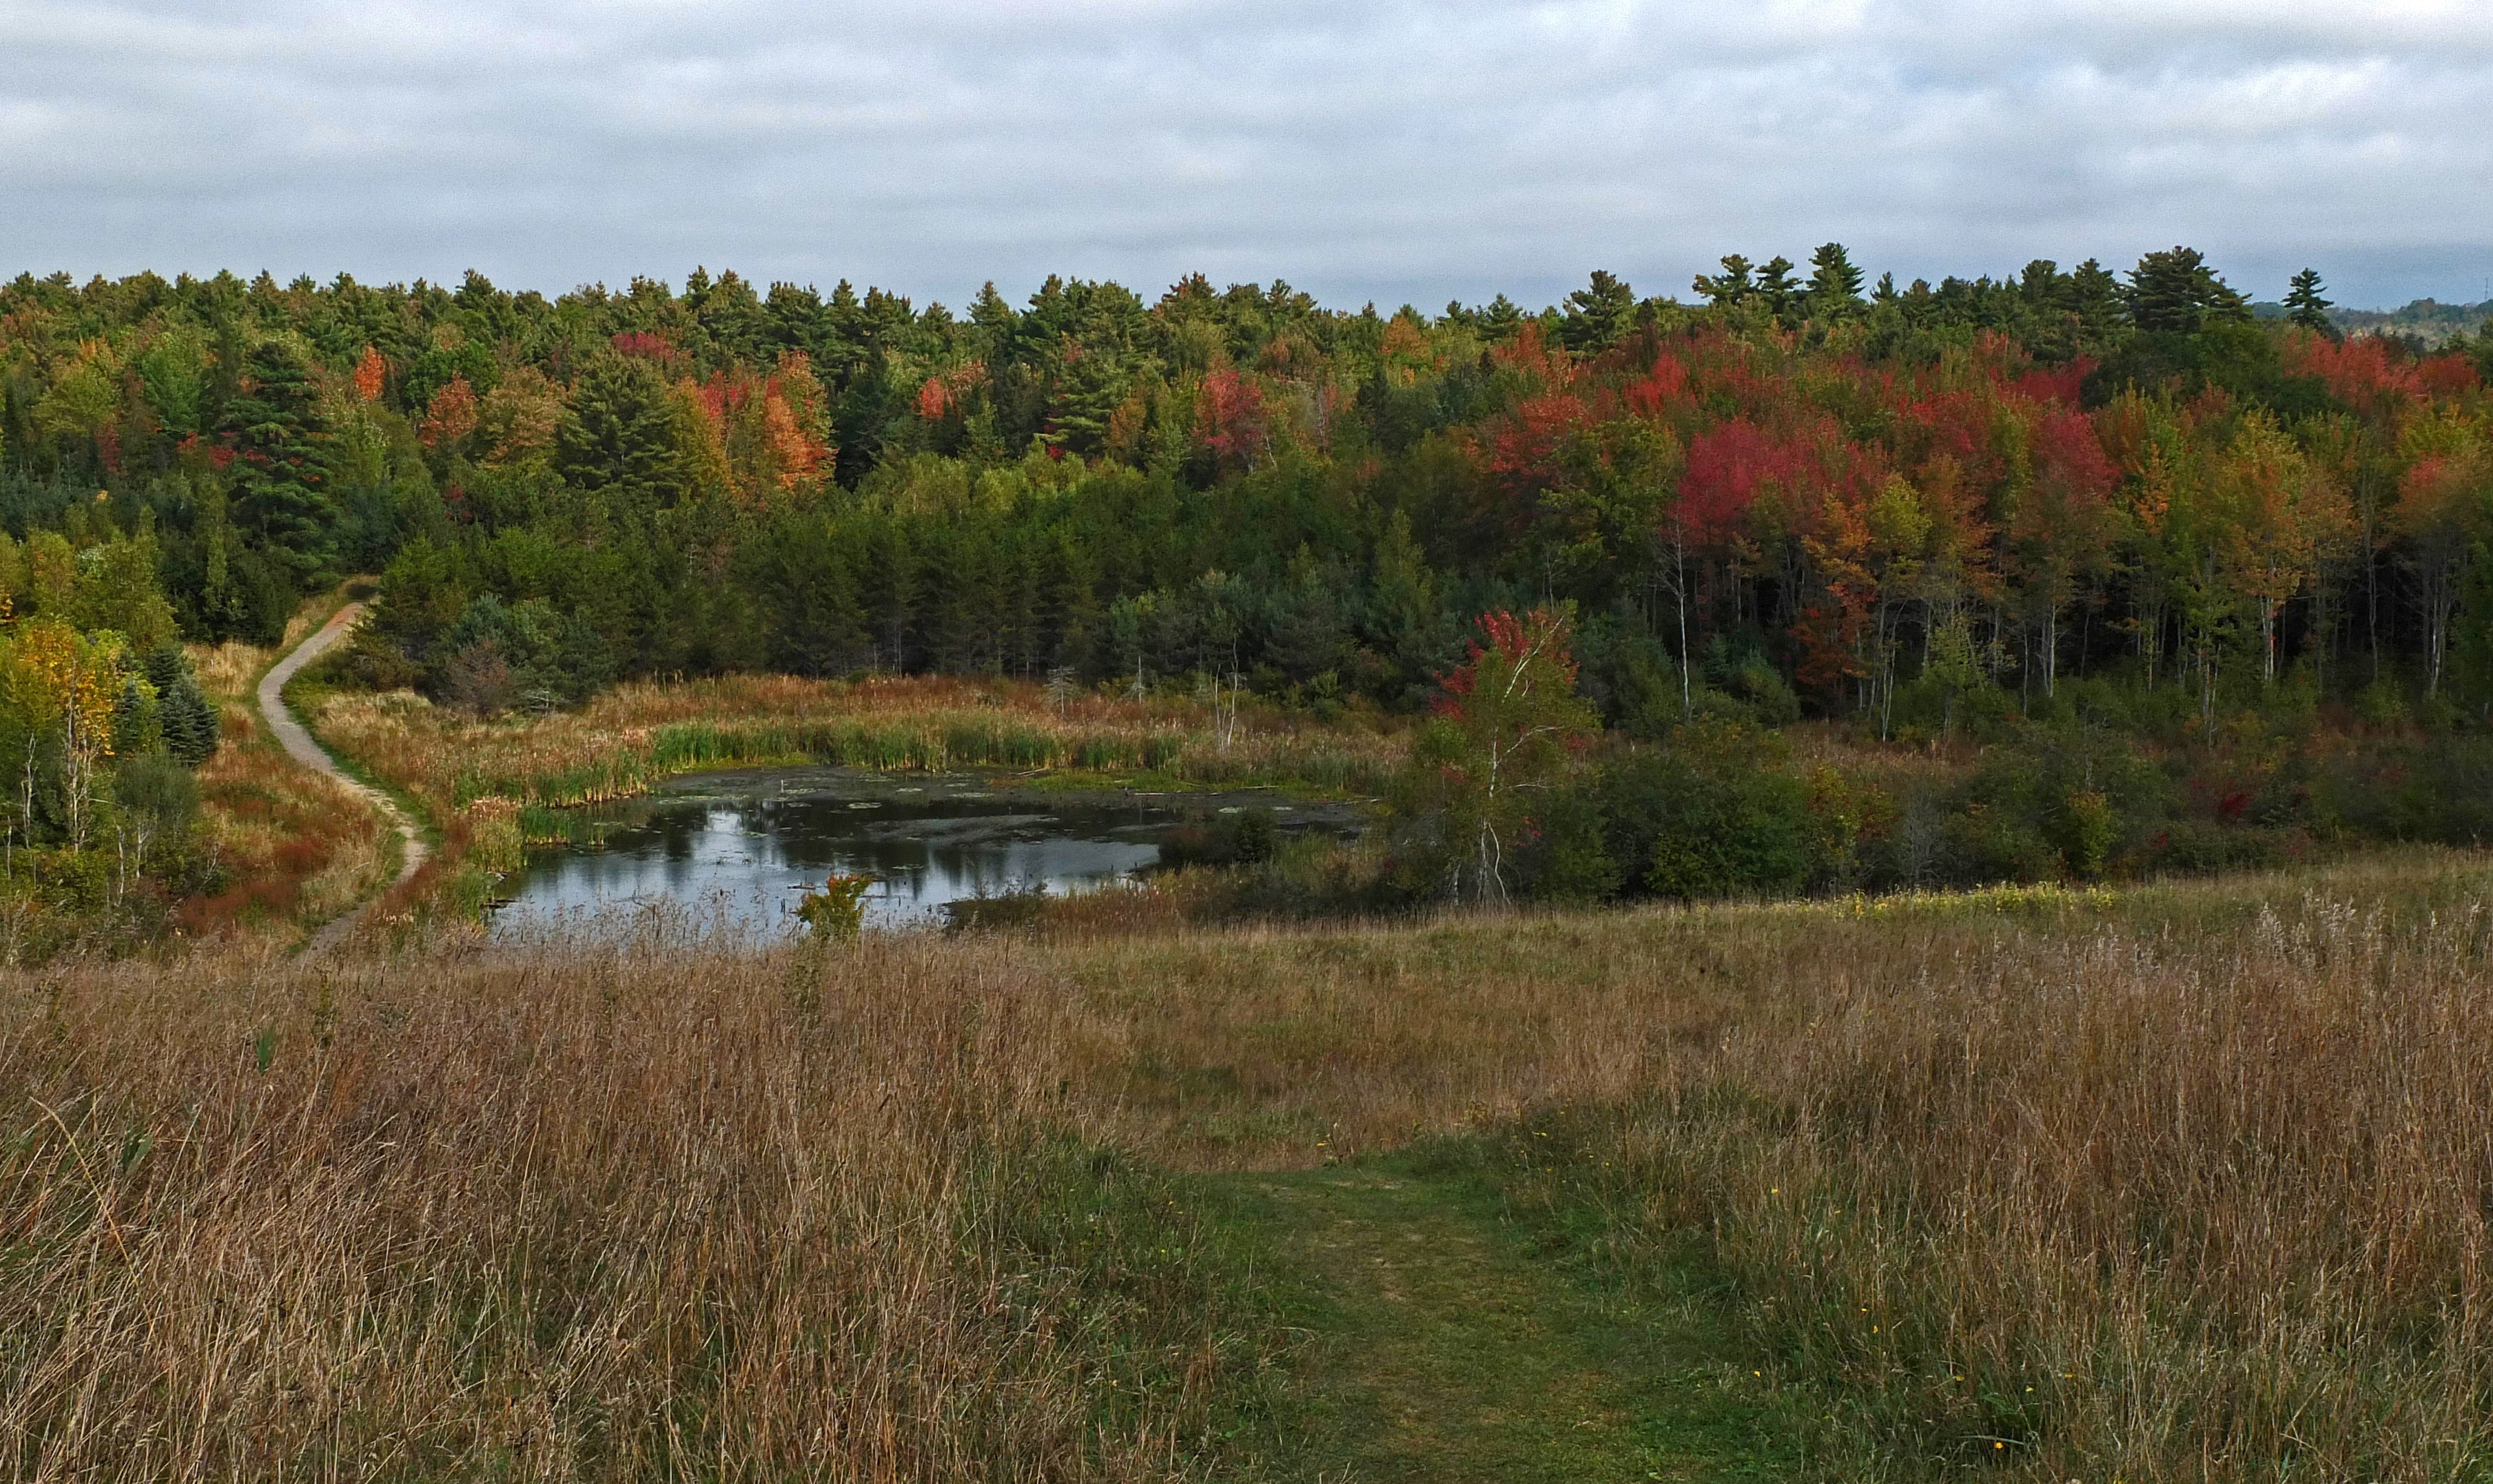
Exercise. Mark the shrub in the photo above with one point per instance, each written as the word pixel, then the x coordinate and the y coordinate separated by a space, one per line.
pixel 1711 814
pixel 1244 837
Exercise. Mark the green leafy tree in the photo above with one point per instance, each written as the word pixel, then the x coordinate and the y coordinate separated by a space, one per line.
pixel 1508 726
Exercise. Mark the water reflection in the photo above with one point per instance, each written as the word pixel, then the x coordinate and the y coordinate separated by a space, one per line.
pixel 744 843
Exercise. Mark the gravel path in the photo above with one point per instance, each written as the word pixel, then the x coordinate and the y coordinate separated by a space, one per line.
pixel 296 739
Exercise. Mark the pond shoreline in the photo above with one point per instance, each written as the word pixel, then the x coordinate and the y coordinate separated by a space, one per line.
pixel 738 843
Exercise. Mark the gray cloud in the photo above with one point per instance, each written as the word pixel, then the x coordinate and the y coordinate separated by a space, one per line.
pixel 1386 151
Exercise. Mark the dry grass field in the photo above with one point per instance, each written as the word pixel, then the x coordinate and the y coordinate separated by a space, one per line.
pixel 2187 1182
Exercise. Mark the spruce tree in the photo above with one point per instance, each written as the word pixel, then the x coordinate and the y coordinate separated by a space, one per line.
pixel 188 722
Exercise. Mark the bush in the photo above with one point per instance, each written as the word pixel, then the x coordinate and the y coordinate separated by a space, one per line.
pixel 1567 859
pixel 1711 814
pixel 527 655
pixel 1736 667
pixel 1244 837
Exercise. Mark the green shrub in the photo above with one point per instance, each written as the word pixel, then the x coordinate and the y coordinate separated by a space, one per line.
pixel 1710 814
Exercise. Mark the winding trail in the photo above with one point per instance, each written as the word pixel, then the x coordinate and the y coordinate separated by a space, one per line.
pixel 293 735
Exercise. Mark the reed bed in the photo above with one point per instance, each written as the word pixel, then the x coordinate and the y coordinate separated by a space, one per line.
pixel 634 736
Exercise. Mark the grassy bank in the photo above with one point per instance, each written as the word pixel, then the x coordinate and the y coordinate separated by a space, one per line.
pixel 627 739
pixel 2183 1181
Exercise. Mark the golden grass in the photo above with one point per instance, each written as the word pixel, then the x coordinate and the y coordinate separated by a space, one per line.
pixel 227 671
pixel 621 1216
pixel 2203 1164
pixel 634 735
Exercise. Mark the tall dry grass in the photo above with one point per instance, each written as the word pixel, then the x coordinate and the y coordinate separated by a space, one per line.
pixel 2204 1166
pixel 627 1214
pixel 2185 1184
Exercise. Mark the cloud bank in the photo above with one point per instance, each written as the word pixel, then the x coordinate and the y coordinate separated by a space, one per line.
pixel 1394 151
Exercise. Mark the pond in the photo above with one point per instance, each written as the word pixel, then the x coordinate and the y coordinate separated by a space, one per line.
pixel 738 846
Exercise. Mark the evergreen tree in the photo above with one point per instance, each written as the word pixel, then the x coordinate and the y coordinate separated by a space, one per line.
pixel 1834 284
pixel 274 429
pixel 619 436
pixel 2094 297
pixel 188 722
pixel 2303 297
pixel 1777 288
pixel 2177 292
pixel 1598 315
pixel 1733 285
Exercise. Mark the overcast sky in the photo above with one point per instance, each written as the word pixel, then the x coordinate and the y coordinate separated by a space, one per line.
pixel 1386 151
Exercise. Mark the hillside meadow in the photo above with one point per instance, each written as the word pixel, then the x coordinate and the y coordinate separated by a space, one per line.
pixel 2178 1182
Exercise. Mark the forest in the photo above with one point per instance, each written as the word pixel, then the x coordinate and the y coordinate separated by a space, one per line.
pixel 2118 503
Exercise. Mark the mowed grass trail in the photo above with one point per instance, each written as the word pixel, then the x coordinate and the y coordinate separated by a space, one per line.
pixel 1451 1341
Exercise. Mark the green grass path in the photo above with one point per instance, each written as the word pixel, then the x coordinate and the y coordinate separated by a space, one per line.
pixel 1453 1344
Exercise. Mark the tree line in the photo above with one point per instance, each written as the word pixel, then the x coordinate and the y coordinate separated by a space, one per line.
pixel 1918 507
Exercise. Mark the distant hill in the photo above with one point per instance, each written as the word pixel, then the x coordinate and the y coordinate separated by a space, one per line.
pixel 2428 320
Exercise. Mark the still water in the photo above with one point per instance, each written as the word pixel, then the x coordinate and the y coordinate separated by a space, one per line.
pixel 740 847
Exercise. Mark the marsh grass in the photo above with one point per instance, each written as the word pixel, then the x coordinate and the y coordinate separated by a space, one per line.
pixel 632 737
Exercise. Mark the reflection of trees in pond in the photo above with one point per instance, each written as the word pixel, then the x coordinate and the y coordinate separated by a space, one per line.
pixel 925 850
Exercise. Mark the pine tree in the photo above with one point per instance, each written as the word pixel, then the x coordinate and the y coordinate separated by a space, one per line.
pixel 1599 315
pixel 2177 292
pixel 1777 287
pixel 1834 283
pixel 1731 286
pixel 274 430
pixel 2311 311
pixel 2094 297
pixel 619 437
